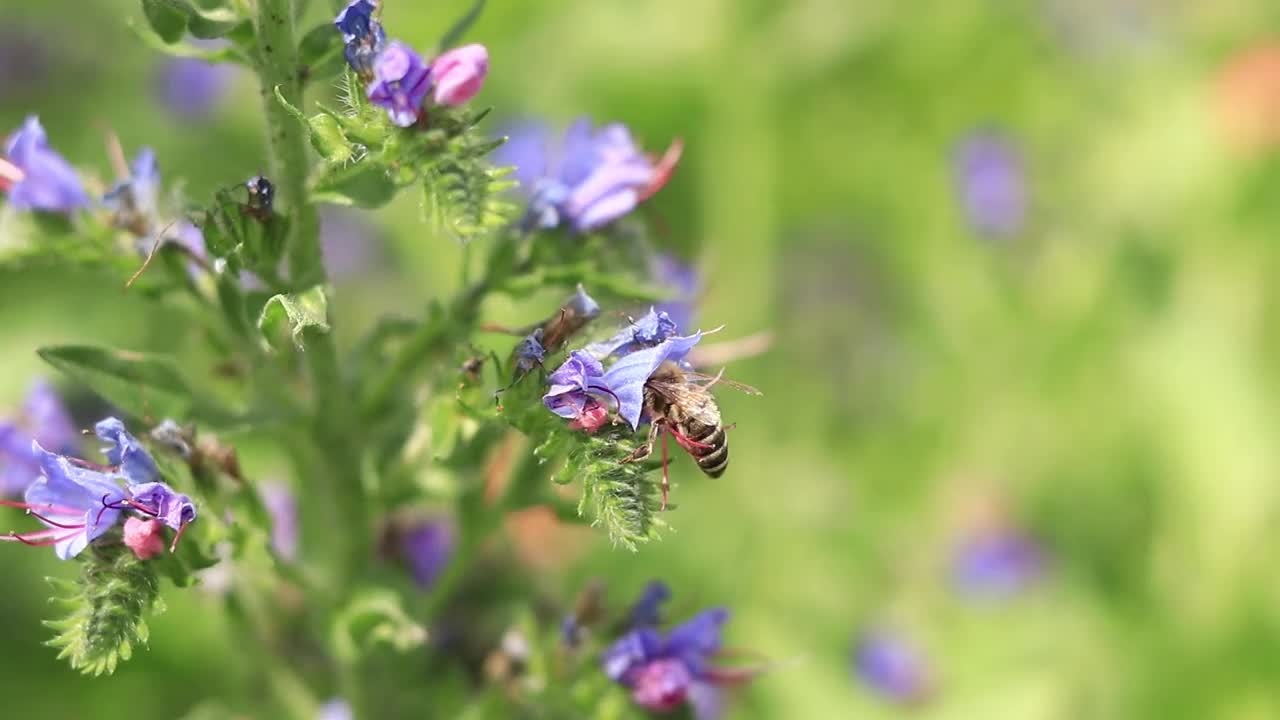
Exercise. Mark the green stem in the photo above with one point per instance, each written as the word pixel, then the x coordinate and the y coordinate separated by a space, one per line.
pixel 277 59
pixel 336 474
pixel 432 336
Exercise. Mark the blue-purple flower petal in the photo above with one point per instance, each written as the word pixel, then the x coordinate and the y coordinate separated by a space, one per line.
pixel 49 182
pixel 428 549
pixel 73 495
pixel 135 462
pixel 626 377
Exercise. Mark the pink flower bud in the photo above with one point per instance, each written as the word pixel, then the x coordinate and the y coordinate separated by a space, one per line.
pixel 459 73
pixel 144 537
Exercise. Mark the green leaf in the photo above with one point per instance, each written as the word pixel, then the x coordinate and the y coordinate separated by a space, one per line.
pixel 109 606
pixel 320 52
pixel 374 617
pixel 171 19
pixel 167 18
pixel 460 28
pixel 300 313
pixel 362 184
pixel 141 385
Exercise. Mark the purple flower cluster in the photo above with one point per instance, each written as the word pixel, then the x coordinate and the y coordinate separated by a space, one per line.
pixel 588 178
pixel 582 387
pixel 666 670
pixel 43 419
pixel 37 178
pixel 399 78
pixel 78 501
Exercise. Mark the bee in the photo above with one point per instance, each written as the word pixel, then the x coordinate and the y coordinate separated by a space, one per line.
pixel 680 405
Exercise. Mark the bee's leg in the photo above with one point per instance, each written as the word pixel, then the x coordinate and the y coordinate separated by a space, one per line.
pixel 646 449
pixel 689 444
pixel 666 484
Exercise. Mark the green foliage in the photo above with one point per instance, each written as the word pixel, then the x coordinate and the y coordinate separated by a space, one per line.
pixel 243 239
pixel 320 53
pixel 294 315
pixel 109 605
pixel 171 19
pixel 374 618
pixel 367 159
pixel 460 28
pixel 623 498
pixel 143 385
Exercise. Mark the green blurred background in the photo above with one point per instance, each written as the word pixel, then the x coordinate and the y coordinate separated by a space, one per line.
pixel 1105 378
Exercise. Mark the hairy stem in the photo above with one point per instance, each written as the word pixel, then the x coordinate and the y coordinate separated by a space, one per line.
pixel 336 474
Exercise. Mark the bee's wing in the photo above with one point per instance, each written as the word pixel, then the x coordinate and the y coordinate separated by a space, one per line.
pixel 720 380
pixel 676 393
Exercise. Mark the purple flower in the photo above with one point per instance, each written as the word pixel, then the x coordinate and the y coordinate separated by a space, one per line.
pixel 191 88
pixel 136 200
pixel 43 418
pixel 161 502
pixel 529 352
pixel 652 328
pixel 362 34
pixel 647 610
pixel 401 82
pixel 283 508
pixel 626 377
pixel 78 500
pixel 996 564
pixel 991 184
pixel 589 178
pixel 891 667
pixel 582 376
pixel 458 74
pixel 664 672
pixel 45 180
pixel 427 549
pixel 684 282
pixel 127 453
pixel 77 504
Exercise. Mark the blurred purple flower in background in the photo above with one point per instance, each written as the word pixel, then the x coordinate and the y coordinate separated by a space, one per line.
pixel 587 179
pixel 401 82
pixel 335 709
pixel 46 181
pixel 890 666
pixel 685 284
pixel 427 548
pixel 45 419
pixel 996 563
pixel 191 88
pixel 991 183
pixel 664 672
pixel 647 611
pixel 349 242
pixel 283 508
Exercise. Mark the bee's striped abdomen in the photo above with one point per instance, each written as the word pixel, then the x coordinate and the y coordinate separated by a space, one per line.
pixel 714 458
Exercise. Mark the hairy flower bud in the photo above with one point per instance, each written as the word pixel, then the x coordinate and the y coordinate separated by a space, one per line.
pixel 144 537
pixel 459 73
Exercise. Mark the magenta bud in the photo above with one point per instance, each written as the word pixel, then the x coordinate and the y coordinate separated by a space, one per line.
pixel 459 73
pixel 144 537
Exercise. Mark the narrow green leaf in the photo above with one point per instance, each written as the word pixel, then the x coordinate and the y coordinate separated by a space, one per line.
pixel 140 384
pixel 297 314
pixel 460 28
pixel 320 52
